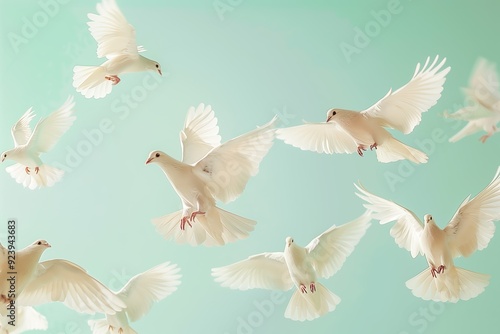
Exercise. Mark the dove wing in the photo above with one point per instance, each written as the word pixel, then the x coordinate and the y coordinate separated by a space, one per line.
pixel 261 271
pixel 21 131
pixel 408 228
pixel 200 134
pixel 484 84
pixel 48 130
pixel 402 109
pixel 64 281
pixel 319 137
pixel 113 34
pixel 329 251
pixel 227 168
pixel 472 225
pixel 151 286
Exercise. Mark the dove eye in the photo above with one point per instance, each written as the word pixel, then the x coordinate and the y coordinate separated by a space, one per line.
pixel 334 113
pixel 157 155
pixel 39 243
pixel 157 65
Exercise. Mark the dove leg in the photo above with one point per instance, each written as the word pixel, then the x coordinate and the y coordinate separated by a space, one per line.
pixel 37 169
pixel 303 288
pixel 27 170
pixel 120 331
pixel 312 287
pixel 489 134
pixel 111 329
pixel 440 269
pixel 433 271
pixel 194 214
pixel 373 146
pixel 361 148
pixel 185 220
pixel 113 78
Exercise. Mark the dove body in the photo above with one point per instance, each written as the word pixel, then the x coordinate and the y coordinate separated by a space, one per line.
pixel 25 266
pixel 301 270
pixel 190 188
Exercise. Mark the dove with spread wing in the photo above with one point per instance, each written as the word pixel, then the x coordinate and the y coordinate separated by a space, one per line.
pixel 139 294
pixel 300 267
pixel 50 281
pixel 484 112
pixel 29 169
pixel 470 229
pixel 347 131
pixel 210 171
pixel 116 41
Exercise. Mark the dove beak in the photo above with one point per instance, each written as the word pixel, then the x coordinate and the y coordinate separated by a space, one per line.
pixel 328 119
pixel 159 71
pixel 149 160
pixel 48 245
pixel 3 158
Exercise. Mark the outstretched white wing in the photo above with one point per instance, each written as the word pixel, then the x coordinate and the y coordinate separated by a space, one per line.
pixel 472 225
pixel 151 286
pixel 48 130
pixel 21 131
pixel 402 109
pixel 228 167
pixel 261 271
pixel 319 137
pixel 200 134
pixel 114 35
pixel 408 228
pixel 329 251
pixel 63 281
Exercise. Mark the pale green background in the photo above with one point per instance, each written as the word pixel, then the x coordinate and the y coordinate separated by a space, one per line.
pixel 261 59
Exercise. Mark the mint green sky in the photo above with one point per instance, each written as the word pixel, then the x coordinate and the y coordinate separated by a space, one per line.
pixel 259 60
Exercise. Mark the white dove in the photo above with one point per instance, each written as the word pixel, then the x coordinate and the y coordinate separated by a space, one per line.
pixel 29 170
pixel 210 171
pixel 347 131
pixel 116 41
pixel 301 267
pixel 139 294
pixel 25 319
pixel 484 112
pixel 470 229
pixel 54 280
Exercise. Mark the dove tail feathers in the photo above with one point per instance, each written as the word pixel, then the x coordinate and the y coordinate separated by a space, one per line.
pixel 394 150
pixel 91 81
pixel 467 130
pixel 451 286
pixel 214 228
pixel 311 305
pixel 102 326
pixel 47 176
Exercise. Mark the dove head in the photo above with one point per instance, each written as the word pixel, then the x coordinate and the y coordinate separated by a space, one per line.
pixel 10 154
pixel 330 114
pixel 428 219
pixel 41 243
pixel 155 156
pixel 153 66
pixel 288 241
